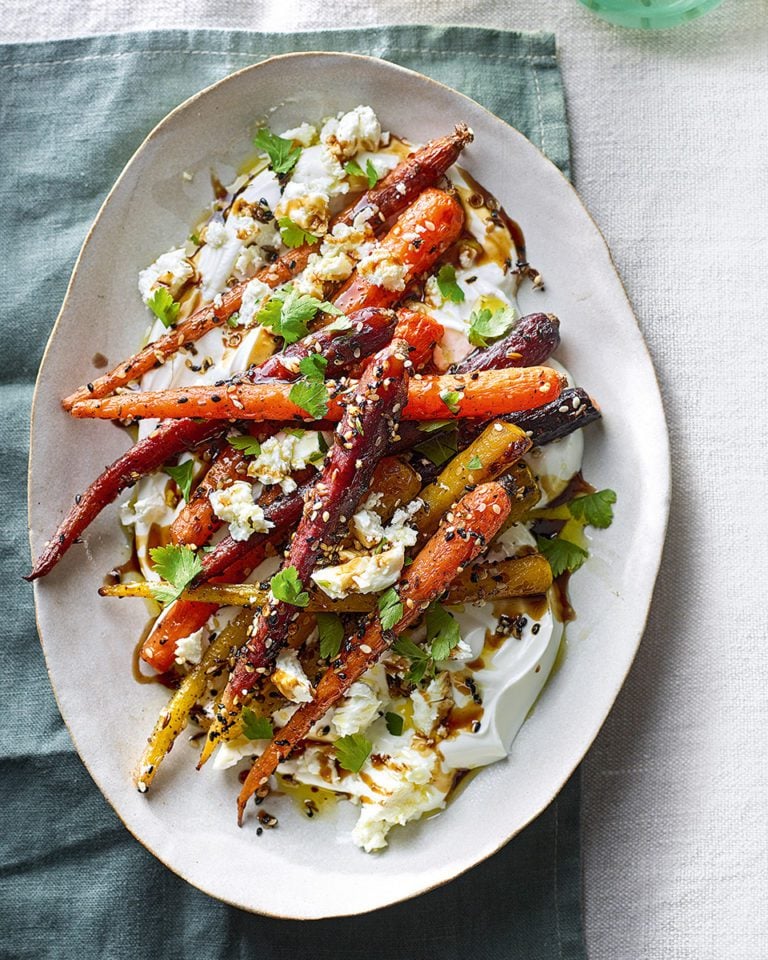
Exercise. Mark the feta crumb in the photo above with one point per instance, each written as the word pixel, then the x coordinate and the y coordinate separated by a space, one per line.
pixel 235 505
pixel 290 679
pixel 253 297
pixel 307 208
pixel 352 132
pixel 171 270
pixel 233 751
pixel 370 531
pixel 405 792
pixel 144 511
pixel 317 177
pixel 368 528
pixel 216 234
pixel 282 454
pixel 305 134
pixel 190 649
pixel 381 270
pixel 363 703
pixel 430 703
pixel 364 574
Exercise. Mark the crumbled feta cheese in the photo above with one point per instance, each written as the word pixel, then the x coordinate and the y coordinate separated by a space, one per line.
pixel 404 792
pixel 340 252
pixel 171 270
pixel 430 703
pixel 364 574
pixel 233 751
pixel 253 297
pixel 364 702
pixel 368 528
pixel 352 132
pixel 190 649
pixel 216 234
pixel 370 531
pixel 432 295
pixel 290 679
pixel 467 257
pixel 284 453
pixel 381 270
pixel 305 134
pixel 317 177
pixel 307 208
pixel 144 511
pixel 235 505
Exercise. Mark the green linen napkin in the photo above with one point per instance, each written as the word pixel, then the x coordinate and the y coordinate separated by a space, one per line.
pixel 73 882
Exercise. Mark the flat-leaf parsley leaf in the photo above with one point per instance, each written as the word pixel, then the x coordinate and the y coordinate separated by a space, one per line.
pixel 451 399
pixel 287 314
pixel 164 307
pixel 390 608
pixel 182 475
pixel 178 565
pixel 443 632
pixel 594 508
pixel 256 728
pixel 487 325
pixel 562 554
pixel 446 284
pixel 286 586
pixel 352 751
pixel 282 153
pixel 293 235
pixel 330 634
pixel 250 446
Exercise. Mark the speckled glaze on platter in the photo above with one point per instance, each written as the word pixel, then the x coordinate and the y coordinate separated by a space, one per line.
pixel 189 823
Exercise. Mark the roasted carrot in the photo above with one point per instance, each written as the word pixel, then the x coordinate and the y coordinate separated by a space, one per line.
pixel 144 457
pixel 534 339
pixel 474 522
pixel 490 393
pixel 421 235
pixel 369 331
pixel 359 443
pixel 185 617
pixel 421 332
pixel 196 522
pixel 284 512
pixel 518 577
pixel 385 200
pixel 175 715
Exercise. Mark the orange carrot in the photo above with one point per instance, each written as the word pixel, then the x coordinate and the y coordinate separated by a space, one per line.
pixel 401 187
pixel 486 394
pixel 420 236
pixel 184 617
pixel 196 522
pixel 474 522
pixel 421 332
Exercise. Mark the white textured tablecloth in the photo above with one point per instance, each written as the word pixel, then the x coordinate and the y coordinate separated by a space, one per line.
pixel 670 153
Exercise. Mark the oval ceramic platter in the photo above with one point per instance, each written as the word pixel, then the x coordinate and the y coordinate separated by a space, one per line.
pixel 188 819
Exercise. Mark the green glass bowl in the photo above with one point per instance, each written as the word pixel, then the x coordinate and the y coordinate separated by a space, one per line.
pixel 650 14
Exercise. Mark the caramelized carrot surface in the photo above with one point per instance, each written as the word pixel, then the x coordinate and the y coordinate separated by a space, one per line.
pixel 486 394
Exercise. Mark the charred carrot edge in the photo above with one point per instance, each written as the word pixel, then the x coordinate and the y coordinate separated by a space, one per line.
pixel 359 444
pixel 421 235
pixel 474 522
pixel 400 188
pixel 487 394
